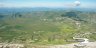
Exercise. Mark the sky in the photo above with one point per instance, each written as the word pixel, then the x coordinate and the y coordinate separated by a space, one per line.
pixel 48 3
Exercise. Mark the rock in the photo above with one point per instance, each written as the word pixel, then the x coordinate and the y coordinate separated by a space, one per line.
pixel 11 46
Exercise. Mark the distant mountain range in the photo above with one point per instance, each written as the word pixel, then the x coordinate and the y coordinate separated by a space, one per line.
pixel 8 10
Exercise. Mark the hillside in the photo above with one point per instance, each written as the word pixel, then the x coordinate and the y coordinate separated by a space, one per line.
pixel 46 27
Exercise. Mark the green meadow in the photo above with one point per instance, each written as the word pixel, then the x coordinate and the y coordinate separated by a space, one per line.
pixel 47 27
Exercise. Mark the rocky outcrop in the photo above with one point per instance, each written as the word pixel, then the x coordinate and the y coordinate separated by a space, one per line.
pixel 2 45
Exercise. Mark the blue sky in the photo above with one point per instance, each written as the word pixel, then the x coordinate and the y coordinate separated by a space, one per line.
pixel 47 3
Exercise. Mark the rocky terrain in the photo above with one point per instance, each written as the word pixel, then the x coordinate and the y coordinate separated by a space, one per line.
pixel 89 45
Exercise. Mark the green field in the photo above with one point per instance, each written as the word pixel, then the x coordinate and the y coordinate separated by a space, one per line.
pixel 46 27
